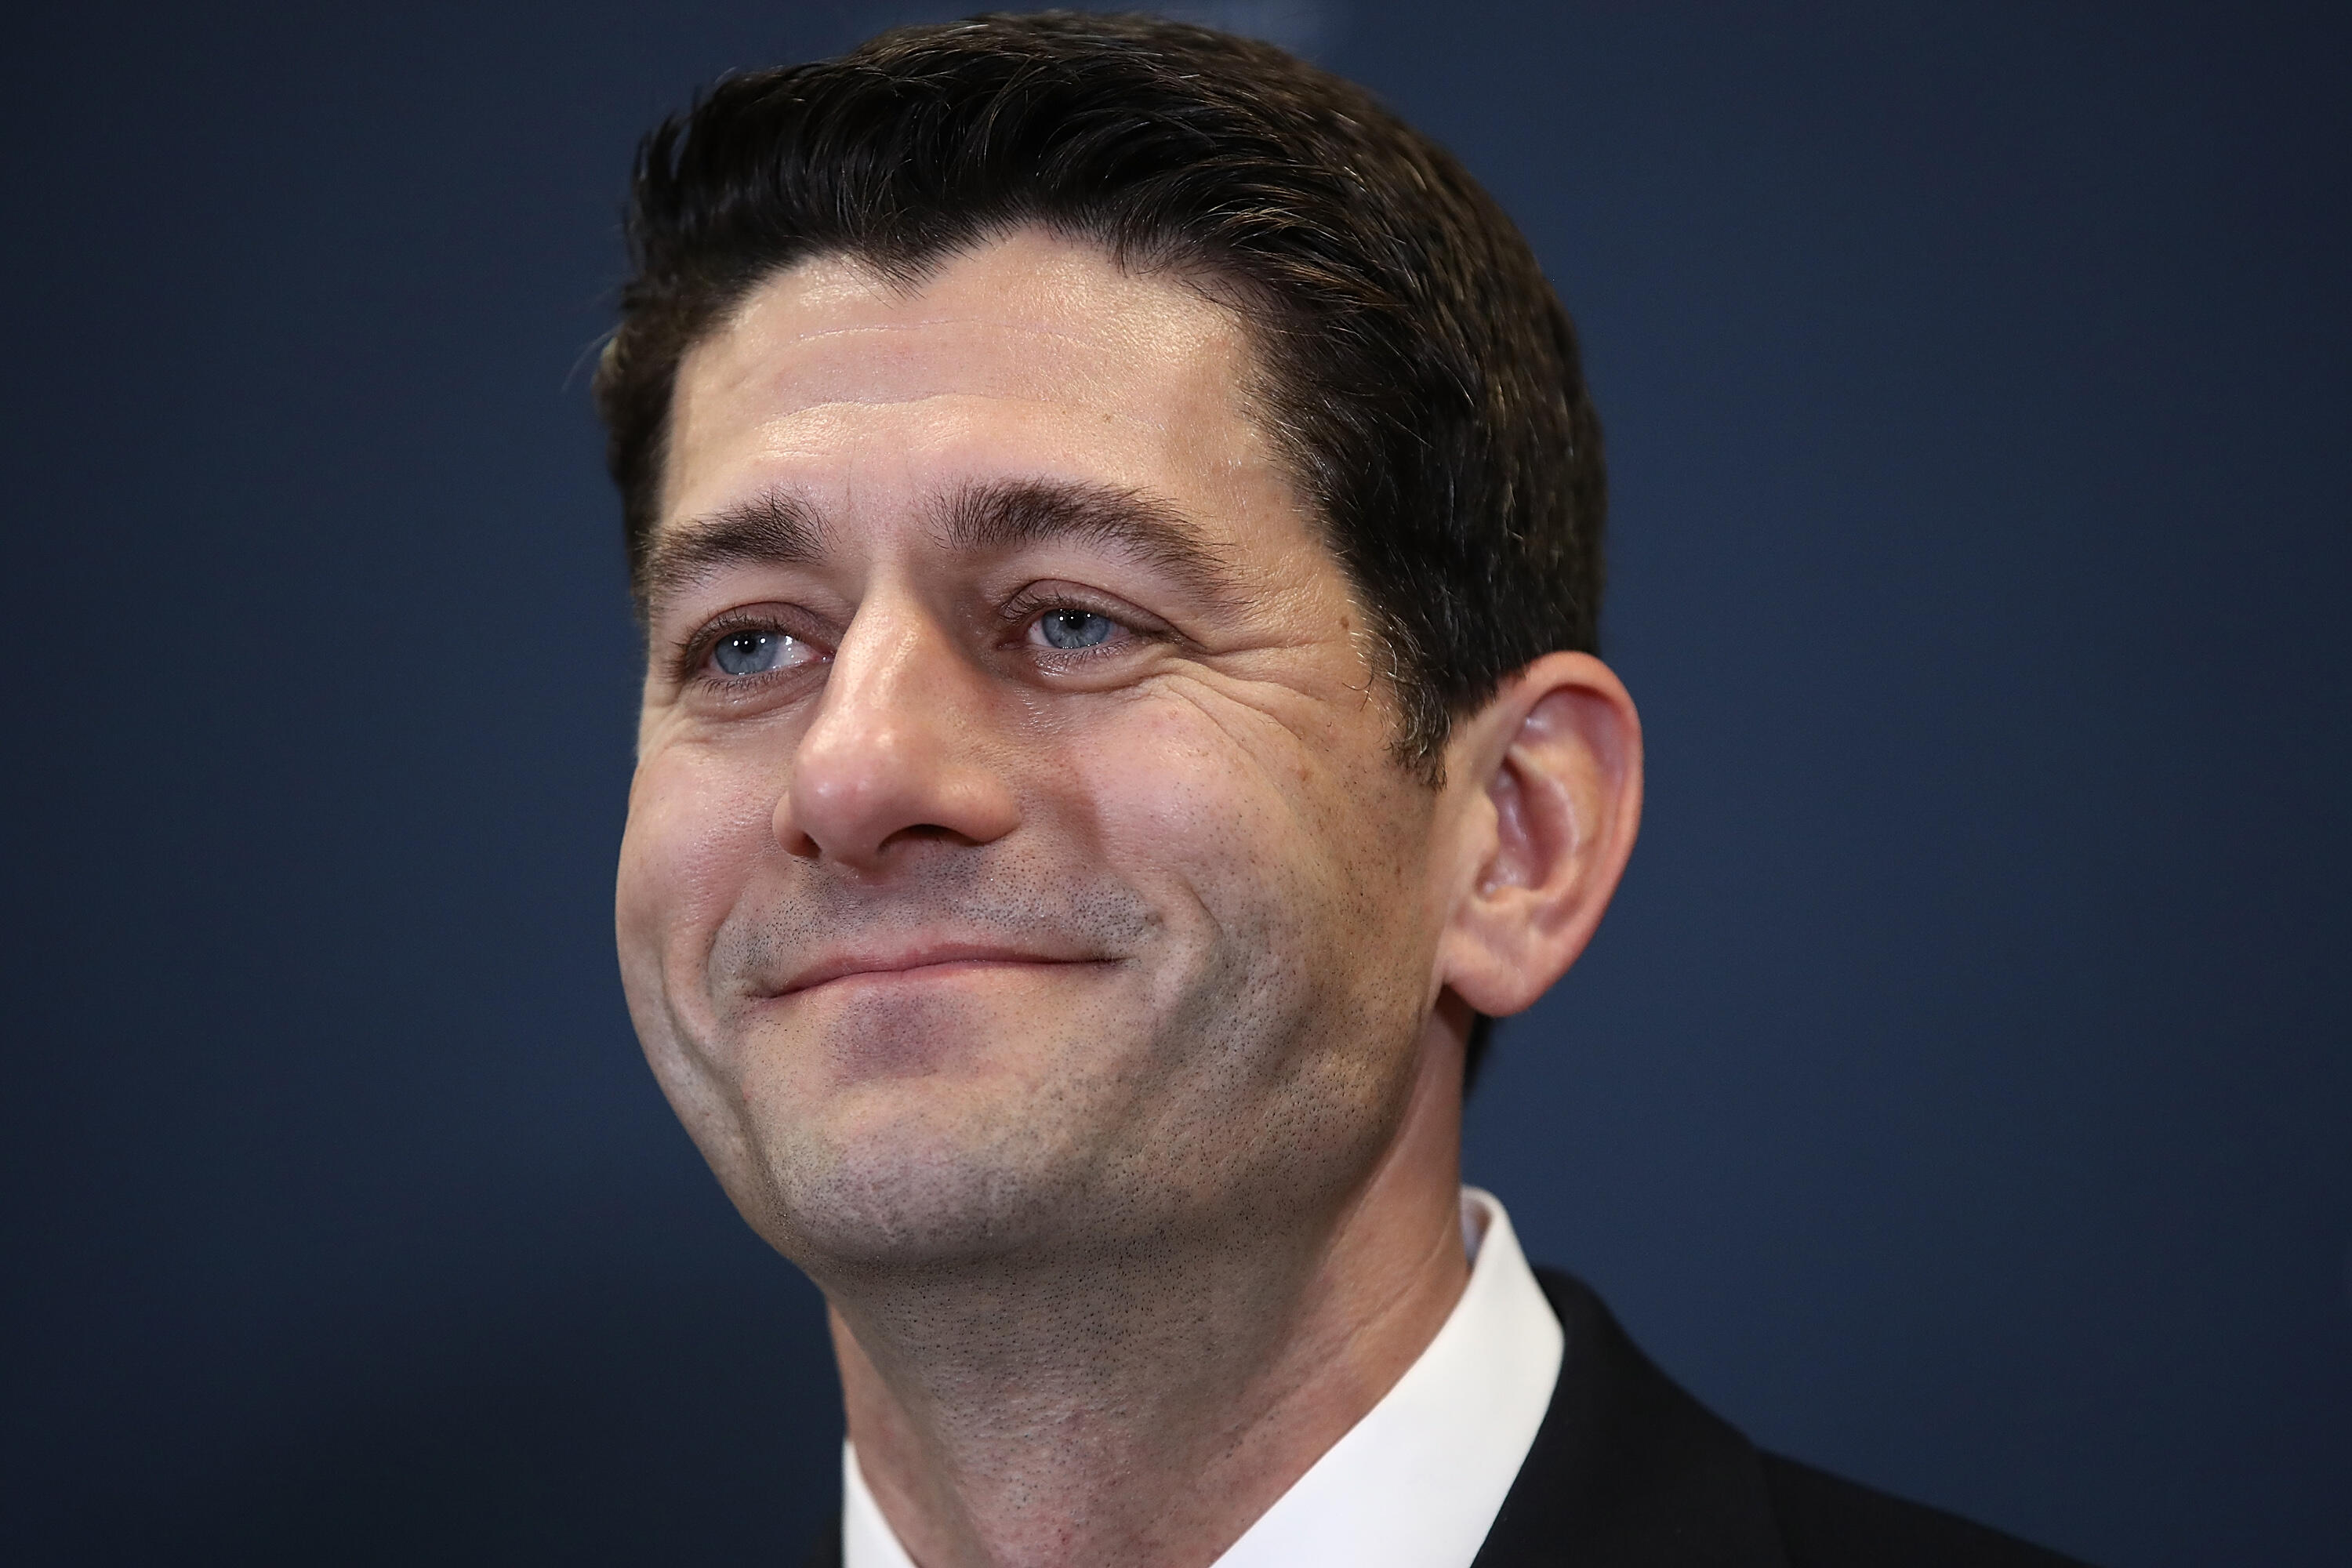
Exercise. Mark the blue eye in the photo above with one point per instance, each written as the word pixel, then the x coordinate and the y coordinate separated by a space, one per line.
pixel 754 652
pixel 1072 630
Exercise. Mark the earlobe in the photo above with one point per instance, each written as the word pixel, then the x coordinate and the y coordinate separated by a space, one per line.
pixel 1555 761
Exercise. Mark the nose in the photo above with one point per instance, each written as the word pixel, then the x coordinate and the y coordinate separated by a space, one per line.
pixel 898 752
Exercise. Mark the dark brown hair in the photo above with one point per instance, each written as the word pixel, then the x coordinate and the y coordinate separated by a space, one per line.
pixel 1419 374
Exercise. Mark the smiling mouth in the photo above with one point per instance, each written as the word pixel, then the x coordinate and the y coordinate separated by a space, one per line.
pixel 940 964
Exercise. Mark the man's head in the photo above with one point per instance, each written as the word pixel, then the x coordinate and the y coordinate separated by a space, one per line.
pixel 1116 521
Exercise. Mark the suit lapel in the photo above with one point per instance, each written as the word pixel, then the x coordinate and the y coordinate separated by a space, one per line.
pixel 1627 1470
pixel 826 1551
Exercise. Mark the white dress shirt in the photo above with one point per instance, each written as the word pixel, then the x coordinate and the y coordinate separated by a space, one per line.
pixel 1418 1481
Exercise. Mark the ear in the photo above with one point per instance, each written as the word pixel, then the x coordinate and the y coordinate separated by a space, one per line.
pixel 1547 780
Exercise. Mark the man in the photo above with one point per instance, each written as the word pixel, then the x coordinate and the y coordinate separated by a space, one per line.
pixel 1116 521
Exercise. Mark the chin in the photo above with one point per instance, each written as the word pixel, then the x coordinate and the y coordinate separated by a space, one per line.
pixel 911 1172
pixel 920 1144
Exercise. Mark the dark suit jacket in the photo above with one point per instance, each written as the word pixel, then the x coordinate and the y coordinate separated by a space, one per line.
pixel 1628 1472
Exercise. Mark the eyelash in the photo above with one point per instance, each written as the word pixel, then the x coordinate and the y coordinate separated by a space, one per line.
pixel 692 658
pixel 1023 609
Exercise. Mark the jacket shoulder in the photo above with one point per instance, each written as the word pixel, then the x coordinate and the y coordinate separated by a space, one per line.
pixel 1827 1522
pixel 1629 1471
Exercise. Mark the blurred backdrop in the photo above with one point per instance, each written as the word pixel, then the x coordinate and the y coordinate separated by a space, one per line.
pixel 1959 1096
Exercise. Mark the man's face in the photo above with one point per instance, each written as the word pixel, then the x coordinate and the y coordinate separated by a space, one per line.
pixel 1016 859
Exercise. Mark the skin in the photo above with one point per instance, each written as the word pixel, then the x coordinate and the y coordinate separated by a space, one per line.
pixel 1086 1021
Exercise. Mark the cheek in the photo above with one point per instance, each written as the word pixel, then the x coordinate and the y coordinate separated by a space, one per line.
pixel 1285 849
pixel 701 823
pixel 1173 804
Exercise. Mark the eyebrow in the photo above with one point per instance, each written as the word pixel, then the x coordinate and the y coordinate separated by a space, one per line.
pixel 1008 514
pixel 781 530
pixel 775 530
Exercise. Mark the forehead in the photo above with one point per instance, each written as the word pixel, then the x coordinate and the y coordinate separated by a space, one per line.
pixel 1032 357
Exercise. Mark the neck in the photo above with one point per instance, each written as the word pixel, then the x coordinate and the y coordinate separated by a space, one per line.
pixel 1147 1407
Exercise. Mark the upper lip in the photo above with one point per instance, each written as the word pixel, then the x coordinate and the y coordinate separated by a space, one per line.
pixel 893 959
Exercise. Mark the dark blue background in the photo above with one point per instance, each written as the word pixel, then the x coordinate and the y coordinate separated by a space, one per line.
pixel 1959 1096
